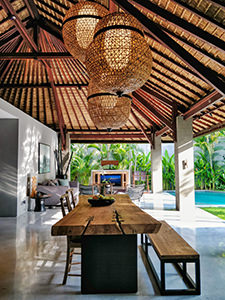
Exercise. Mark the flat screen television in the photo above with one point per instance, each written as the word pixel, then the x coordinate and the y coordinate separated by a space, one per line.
pixel 113 178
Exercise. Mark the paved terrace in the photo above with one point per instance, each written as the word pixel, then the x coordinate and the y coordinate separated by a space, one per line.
pixel 32 262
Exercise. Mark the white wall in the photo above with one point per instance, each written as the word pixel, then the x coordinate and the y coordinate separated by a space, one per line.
pixel 31 132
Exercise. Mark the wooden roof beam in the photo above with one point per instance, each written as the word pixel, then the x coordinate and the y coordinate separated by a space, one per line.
pixel 210 130
pixel 166 100
pixel 36 55
pixel 50 27
pixel 162 131
pixel 218 2
pixel 203 104
pixel 204 72
pixel 155 112
pixel 182 24
pixel 57 102
pixel 32 9
pixel 143 114
pixel 148 137
pixel 199 13
pixel 103 136
pixel 116 131
pixel 195 47
pixel 40 85
pixel 7 6
pixel 112 7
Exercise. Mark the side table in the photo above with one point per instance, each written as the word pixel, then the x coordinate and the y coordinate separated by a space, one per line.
pixel 40 201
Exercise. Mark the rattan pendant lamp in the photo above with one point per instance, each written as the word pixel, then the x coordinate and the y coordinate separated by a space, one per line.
pixel 78 26
pixel 107 110
pixel 119 59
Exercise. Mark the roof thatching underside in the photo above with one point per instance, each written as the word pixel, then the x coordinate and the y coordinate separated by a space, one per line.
pixel 53 88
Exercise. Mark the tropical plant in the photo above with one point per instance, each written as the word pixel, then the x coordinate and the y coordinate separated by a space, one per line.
pixel 209 161
pixel 168 165
pixel 83 161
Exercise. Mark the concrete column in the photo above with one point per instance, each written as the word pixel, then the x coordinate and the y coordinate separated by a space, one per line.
pixel 184 170
pixel 156 167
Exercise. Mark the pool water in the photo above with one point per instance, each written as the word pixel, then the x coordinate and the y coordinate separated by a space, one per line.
pixel 207 198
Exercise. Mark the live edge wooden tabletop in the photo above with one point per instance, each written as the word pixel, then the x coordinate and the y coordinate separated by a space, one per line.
pixel 122 217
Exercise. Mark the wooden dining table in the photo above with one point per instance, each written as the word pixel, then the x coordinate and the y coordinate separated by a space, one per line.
pixel 109 242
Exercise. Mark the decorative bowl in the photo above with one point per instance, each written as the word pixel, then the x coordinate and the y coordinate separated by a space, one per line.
pixel 101 202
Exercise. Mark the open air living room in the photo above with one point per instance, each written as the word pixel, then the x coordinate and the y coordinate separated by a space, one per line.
pixel 112 149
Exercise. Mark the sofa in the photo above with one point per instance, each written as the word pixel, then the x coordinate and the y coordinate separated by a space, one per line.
pixel 56 188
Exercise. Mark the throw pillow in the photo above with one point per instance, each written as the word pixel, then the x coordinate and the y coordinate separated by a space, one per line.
pixel 64 182
pixel 56 182
pixel 51 183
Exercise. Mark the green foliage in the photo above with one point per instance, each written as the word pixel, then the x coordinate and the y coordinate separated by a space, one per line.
pixel 209 164
pixel 168 171
pixel 217 211
pixel 83 161
pixel 209 161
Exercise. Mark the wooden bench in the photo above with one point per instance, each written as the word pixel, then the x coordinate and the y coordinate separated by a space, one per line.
pixel 170 247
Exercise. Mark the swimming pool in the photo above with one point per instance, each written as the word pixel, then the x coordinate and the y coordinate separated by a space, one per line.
pixel 208 198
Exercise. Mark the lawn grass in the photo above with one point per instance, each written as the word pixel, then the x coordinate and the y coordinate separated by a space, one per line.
pixel 217 211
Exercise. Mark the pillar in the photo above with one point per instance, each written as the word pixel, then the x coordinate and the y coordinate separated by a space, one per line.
pixel 156 166
pixel 184 169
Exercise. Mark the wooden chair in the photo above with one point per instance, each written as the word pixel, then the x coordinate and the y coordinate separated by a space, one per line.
pixel 71 197
pixel 72 241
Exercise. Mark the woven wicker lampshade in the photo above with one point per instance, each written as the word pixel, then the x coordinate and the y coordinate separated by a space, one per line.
pixel 78 26
pixel 119 59
pixel 107 110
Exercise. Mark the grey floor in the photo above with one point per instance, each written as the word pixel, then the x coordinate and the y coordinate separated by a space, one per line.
pixel 32 261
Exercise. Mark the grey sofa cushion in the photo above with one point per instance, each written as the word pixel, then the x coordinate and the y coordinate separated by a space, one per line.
pixel 54 191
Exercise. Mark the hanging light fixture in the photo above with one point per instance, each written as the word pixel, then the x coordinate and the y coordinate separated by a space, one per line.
pixel 119 59
pixel 107 110
pixel 78 26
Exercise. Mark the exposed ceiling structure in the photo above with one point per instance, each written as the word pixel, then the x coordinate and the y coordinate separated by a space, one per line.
pixel 187 39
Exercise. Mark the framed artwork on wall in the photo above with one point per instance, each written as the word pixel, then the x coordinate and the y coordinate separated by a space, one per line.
pixel 43 158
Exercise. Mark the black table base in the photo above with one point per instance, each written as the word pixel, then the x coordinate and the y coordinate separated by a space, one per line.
pixel 109 264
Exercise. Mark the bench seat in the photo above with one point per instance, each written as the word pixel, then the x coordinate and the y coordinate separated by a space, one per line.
pixel 170 247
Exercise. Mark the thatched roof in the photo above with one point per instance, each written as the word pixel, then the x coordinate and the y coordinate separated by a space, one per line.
pixel 187 39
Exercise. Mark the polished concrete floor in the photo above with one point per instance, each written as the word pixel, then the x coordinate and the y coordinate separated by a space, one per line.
pixel 32 261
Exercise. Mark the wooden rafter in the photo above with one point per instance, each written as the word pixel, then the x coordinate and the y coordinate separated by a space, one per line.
pixel 199 13
pixel 57 102
pixel 183 24
pixel 203 104
pixel 143 114
pixel 204 72
pixel 148 136
pixel 218 2
pixel 103 136
pixel 195 47
pixel 213 128
pixel 155 112
pixel 32 9
pixel 162 131
pixel 7 6
pixel 112 7
pixel 50 27
pixel 21 28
